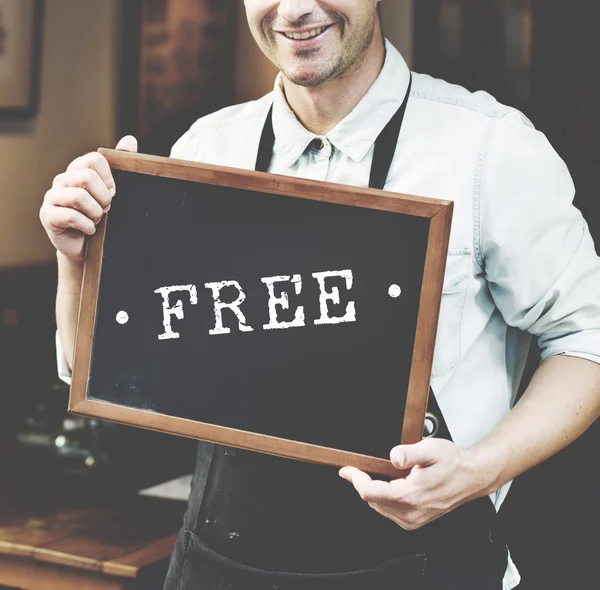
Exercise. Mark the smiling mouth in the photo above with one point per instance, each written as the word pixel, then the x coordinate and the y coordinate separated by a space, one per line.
pixel 306 34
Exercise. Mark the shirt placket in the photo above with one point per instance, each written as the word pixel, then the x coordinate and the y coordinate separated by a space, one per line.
pixel 316 159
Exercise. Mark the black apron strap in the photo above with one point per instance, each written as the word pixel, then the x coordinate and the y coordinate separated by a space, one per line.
pixel 386 144
pixel 383 156
pixel 266 145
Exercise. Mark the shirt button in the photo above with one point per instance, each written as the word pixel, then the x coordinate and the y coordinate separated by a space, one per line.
pixel 317 144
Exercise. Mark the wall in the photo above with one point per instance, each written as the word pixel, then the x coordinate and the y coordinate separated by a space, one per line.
pixel 77 114
pixel 255 74
pixel 398 25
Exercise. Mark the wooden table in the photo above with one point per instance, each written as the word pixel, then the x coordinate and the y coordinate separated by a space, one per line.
pixel 111 547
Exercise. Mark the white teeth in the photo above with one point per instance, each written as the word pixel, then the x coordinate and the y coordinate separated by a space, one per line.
pixel 307 35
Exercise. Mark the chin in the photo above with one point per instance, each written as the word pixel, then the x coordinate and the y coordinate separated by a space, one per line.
pixel 307 76
pixel 310 80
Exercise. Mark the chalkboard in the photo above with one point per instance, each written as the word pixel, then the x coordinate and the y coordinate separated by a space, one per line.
pixel 287 316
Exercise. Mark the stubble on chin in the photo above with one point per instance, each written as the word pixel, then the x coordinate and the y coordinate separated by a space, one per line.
pixel 310 74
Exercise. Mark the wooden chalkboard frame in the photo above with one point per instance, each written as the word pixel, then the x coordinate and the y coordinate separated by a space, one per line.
pixel 439 212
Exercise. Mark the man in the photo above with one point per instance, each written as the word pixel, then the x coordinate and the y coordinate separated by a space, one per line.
pixel 521 263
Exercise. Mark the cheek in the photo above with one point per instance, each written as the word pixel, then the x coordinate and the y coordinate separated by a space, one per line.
pixel 258 10
pixel 258 13
pixel 349 7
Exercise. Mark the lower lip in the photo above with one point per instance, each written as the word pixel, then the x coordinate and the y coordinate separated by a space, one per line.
pixel 307 43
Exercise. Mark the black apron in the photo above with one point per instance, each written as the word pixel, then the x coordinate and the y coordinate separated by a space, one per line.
pixel 260 522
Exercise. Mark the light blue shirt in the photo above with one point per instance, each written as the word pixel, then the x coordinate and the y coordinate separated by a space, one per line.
pixel 521 261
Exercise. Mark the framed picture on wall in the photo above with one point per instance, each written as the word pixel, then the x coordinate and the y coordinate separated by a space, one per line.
pixel 20 55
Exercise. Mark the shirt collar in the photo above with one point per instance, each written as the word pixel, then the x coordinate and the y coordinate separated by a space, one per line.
pixel 291 137
pixel 355 135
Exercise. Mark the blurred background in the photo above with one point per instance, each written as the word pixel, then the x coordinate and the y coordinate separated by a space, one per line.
pixel 79 74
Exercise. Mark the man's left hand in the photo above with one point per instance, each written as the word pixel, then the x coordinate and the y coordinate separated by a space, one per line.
pixel 438 478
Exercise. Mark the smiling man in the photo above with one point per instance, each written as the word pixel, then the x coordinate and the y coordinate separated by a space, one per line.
pixel 347 109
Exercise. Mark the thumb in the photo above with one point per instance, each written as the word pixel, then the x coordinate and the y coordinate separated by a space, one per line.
pixel 409 456
pixel 128 144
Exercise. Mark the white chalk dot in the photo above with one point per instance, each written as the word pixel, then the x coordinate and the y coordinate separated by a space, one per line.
pixel 394 291
pixel 122 317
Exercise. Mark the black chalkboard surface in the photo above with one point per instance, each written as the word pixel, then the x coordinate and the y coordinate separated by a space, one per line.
pixel 282 315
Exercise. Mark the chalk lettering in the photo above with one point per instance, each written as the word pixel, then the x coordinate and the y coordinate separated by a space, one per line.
pixel 176 310
pixel 278 301
pixel 283 301
pixel 334 296
pixel 219 306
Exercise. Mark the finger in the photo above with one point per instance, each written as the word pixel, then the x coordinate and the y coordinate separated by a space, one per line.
pixel 60 219
pixel 408 456
pixel 128 144
pixel 88 179
pixel 76 198
pixel 352 473
pixel 97 162
pixel 368 489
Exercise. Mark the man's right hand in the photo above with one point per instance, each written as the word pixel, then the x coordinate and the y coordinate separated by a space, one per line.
pixel 78 199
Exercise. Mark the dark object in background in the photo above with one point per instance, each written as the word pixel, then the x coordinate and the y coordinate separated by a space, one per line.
pixel 177 66
pixel 552 513
pixel 27 360
pixel 479 45
pixel 93 449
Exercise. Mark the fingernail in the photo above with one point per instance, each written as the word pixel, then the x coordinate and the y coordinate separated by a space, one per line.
pixel 398 457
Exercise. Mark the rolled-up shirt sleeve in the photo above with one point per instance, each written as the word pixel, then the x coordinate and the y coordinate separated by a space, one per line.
pixel 64 373
pixel 535 246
